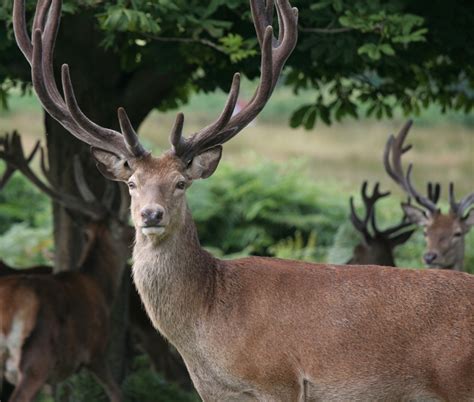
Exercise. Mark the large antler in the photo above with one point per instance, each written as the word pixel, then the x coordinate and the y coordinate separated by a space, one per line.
pixel 11 151
pixel 394 150
pixel 39 53
pixel 275 52
pixel 362 225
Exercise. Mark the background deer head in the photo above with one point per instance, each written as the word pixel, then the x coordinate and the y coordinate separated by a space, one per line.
pixel 444 233
pixel 377 245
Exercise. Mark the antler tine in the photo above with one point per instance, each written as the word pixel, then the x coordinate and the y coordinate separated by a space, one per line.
pixel 10 169
pixel 20 29
pixel 274 53
pixel 359 224
pixel 370 202
pixel 434 192
pixel 39 53
pixel 14 156
pixel 459 208
pixel 423 201
pixel 395 149
pixel 466 203
pixel 81 183
pixel 44 168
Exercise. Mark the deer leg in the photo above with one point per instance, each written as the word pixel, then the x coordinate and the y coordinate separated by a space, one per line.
pixel 27 388
pixel 102 373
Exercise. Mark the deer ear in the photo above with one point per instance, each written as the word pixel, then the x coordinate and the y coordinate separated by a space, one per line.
pixel 111 166
pixel 400 239
pixel 415 215
pixel 205 164
pixel 468 221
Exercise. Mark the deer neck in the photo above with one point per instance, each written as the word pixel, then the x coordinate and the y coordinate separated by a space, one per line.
pixel 104 264
pixel 176 279
pixel 459 265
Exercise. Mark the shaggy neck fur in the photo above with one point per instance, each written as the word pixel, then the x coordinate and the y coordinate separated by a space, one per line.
pixel 176 280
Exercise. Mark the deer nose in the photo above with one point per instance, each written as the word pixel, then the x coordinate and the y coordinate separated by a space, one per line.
pixel 430 257
pixel 152 216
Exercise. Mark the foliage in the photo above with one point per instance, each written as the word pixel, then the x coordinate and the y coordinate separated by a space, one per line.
pixel 381 56
pixel 255 207
pixel 358 57
pixel 142 385
pixel 24 246
pixel 296 248
pixel 21 203
pixel 145 385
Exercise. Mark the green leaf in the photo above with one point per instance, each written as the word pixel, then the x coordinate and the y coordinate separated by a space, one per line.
pixel 387 49
pixel 297 117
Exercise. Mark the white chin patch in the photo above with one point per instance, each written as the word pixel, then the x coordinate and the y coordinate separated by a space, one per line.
pixel 156 231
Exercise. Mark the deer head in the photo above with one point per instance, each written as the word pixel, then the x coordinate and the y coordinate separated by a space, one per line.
pixel 157 184
pixel 377 245
pixel 444 233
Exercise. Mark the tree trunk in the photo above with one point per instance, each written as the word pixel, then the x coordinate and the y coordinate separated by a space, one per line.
pixel 95 75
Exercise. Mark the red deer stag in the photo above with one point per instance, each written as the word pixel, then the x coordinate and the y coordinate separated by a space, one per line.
pixel 52 325
pixel 263 329
pixel 444 233
pixel 377 245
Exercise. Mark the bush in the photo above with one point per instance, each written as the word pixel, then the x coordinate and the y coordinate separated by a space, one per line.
pixel 255 208
pixel 20 202
pixel 24 246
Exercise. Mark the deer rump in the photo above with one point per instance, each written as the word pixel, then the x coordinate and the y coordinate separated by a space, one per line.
pixel 39 318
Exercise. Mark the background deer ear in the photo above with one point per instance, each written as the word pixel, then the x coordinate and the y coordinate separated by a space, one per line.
pixel 111 166
pixel 401 238
pixel 205 164
pixel 416 215
pixel 468 221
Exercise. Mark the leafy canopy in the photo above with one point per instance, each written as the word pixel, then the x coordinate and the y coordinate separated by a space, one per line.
pixel 358 56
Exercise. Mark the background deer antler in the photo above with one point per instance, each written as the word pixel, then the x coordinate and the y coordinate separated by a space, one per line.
pixel 11 151
pixel 394 150
pixel 6 143
pixel 362 225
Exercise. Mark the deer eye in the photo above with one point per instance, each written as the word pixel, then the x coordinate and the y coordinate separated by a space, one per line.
pixel 131 185
pixel 181 185
pixel 457 234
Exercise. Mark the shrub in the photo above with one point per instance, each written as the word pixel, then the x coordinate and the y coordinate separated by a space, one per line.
pixel 20 202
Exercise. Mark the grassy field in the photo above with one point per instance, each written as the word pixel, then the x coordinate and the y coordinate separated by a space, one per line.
pixel 348 152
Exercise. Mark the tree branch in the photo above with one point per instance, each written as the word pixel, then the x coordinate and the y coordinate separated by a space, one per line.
pixel 204 42
pixel 326 31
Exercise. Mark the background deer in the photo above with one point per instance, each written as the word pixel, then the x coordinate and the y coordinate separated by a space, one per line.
pixel 163 359
pixel 377 245
pixel 444 233
pixel 52 325
pixel 259 328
